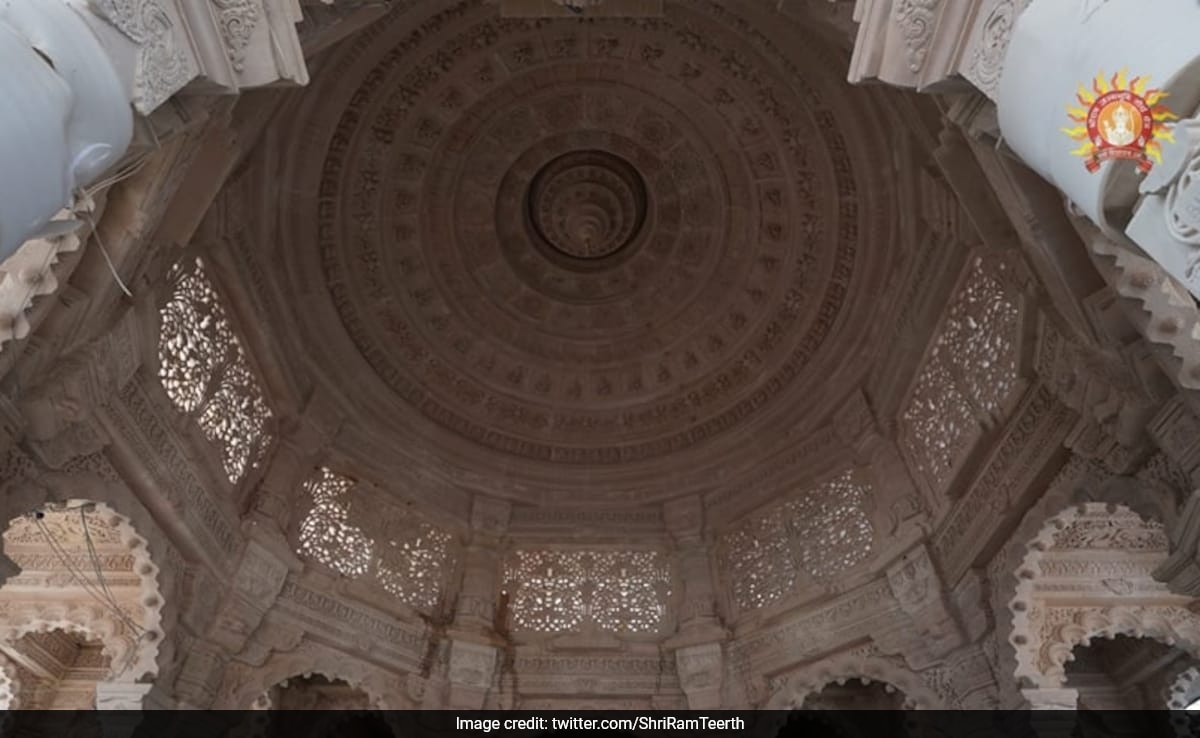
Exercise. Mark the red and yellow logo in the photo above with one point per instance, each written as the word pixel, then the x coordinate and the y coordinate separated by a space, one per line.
pixel 1120 120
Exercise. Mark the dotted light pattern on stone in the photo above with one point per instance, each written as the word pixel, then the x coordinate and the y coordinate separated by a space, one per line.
pixel 360 537
pixel 816 536
pixel 206 375
pixel 970 372
pixel 557 591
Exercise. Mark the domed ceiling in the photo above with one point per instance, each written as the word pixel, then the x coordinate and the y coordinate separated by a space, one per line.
pixel 590 259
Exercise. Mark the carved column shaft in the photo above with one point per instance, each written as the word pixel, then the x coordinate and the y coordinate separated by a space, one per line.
pixel 1060 57
pixel 66 117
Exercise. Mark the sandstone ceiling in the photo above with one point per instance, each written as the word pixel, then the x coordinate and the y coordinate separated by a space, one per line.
pixel 595 260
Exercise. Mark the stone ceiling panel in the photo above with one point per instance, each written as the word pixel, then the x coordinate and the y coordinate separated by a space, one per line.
pixel 581 253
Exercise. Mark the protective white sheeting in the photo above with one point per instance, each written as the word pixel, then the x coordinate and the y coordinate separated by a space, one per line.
pixel 65 117
pixel 1056 46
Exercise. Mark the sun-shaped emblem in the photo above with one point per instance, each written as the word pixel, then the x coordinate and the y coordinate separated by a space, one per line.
pixel 1120 119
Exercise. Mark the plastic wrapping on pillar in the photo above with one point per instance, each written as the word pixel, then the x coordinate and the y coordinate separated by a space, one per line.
pixel 1057 47
pixel 65 118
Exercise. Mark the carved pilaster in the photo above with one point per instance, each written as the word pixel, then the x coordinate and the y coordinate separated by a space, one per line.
pixel 698 620
pixel 11 424
pixel 300 447
pixel 128 696
pixel 60 410
pixel 472 666
pixel 932 630
pixel 223 46
pixel 256 585
pixel 477 597
pixel 918 43
pixel 700 670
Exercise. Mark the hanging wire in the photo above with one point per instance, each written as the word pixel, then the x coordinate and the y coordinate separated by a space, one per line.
pixel 88 193
pixel 99 591
pixel 107 259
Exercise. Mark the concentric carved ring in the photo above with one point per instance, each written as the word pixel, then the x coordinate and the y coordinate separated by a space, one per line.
pixel 587 204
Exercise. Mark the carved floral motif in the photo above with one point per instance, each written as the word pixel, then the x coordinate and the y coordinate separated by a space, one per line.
pixel 820 534
pixel 206 374
pixel 359 537
pixel 560 591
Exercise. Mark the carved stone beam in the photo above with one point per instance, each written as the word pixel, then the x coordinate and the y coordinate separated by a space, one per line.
pixel 255 587
pixel 85 380
pixel 581 8
pixel 697 614
pixel 701 669
pixel 932 630
pixel 472 669
pixel 475 611
pixel 326 23
pixel 1058 49
pixel 302 442
pixel 925 44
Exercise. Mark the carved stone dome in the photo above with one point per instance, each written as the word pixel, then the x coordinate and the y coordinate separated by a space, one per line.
pixel 582 255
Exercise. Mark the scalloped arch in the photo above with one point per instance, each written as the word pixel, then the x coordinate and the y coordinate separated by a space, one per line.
pixel 244 685
pixel 138 530
pixel 1043 647
pixel 800 684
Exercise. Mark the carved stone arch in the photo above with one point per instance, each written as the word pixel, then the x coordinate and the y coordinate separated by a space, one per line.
pixel 1071 482
pixel 1079 481
pixel 1044 633
pixel 1184 689
pixel 8 689
pixel 1147 499
pixel 243 684
pixel 139 530
pixel 808 680
pixel 92 623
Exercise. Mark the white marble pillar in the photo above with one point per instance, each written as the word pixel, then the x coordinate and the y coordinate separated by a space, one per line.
pixel 65 119
pixel 1057 49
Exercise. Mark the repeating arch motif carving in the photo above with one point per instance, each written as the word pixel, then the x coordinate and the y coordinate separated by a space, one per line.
pixel 792 690
pixel 244 683
pixel 26 492
pixel 1044 634
pixel 1079 481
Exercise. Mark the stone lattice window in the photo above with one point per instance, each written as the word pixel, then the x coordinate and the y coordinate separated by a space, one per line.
pixel 970 374
pixel 562 591
pixel 358 534
pixel 816 536
pixel 205 373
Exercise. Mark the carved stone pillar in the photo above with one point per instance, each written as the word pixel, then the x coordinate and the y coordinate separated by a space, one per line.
pixel 697 610
pixel 123 696
pixel 11 424
pixel 255 587
pixel 74 74
pixel 301 445
pixel 932 630
pixel 1177 431
pixel 475 611
pixel 701 669
pixel 1058 724
pixel 66 118
pixel 1047 698
pixel 472 667
pixel 474 649
pixel 698 651
pixel 1057 49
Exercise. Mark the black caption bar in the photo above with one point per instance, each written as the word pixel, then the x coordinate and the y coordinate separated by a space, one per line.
pixel 647 724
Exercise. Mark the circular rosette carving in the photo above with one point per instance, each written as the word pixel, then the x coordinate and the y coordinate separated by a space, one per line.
pixel 587 204
pixel 586 245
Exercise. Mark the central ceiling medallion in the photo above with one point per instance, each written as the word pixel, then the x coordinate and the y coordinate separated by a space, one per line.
pixel 587 205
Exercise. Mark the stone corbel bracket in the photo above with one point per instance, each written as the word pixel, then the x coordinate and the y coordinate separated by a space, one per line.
pixel 1169 316
pixel 212 46
pixel 932 630
pixel 910 43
